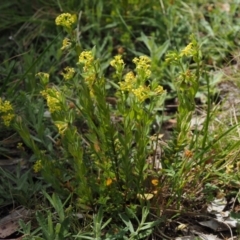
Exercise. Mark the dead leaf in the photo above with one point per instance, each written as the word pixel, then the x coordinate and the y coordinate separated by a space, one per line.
pixel 20 238
pixel 9 224
pixel 186 238
pixel 217 205
pixel 208 237
pixel 225 7
pixel 8 228
pixel 214 225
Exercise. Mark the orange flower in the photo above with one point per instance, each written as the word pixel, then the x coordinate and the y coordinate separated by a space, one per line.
pixel 154 182
pixel 188 153
pixel 108 181
pixel 96 146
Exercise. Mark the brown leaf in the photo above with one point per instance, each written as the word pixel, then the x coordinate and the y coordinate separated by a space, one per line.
pixel 9 224
pixel 8 228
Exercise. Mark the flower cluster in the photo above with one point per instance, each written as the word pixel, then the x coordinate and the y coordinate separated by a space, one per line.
pixel 66 43
pixel 141 93
pixel 6 111
pixel 118 64
pixel 159 90
pixel 129 82
pixel 188 51
pixel 117 61
pixel 44 77
pixel 53 98
pixel 143 65
pixel 229 169
pixel 20 146
pixel 86 58
pixel 68 73
pixel 143 62
pixel 187 80
pixel 136 84
pixel 5 106
pixel 172 57
pixel 66 20
pixel 37 167
pixel 62 126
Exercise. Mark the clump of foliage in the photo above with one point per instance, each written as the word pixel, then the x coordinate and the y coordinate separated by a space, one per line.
pixel 92 125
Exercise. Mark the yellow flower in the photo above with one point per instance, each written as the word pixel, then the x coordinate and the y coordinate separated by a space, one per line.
pixel 141 93
pixel 130 78
pixel 118 64
pixel 125 86
pixel 86 58
pixel 7 112
pixel 62 126
pixel 44 77
pixel 108 182
pixel 66 20
pixel 128 83
pixel 7 118
pixel 53 99
pixel 92 95
pixel 142 61
pixel 117 144
pixel 158 90
pixel 117 61
pixel 66 43
pixel 5 106
pixel 143 65
pixel 37 167
pixel 229 168
pixel 90 79
pixel 20 146
pixel 172 57
pixel 68 73
pixel 188 50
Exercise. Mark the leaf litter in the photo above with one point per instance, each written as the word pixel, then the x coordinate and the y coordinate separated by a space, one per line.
pixel 9 224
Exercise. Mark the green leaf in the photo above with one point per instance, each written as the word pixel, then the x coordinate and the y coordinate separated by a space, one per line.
pixel 127 222
pixel 44 226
